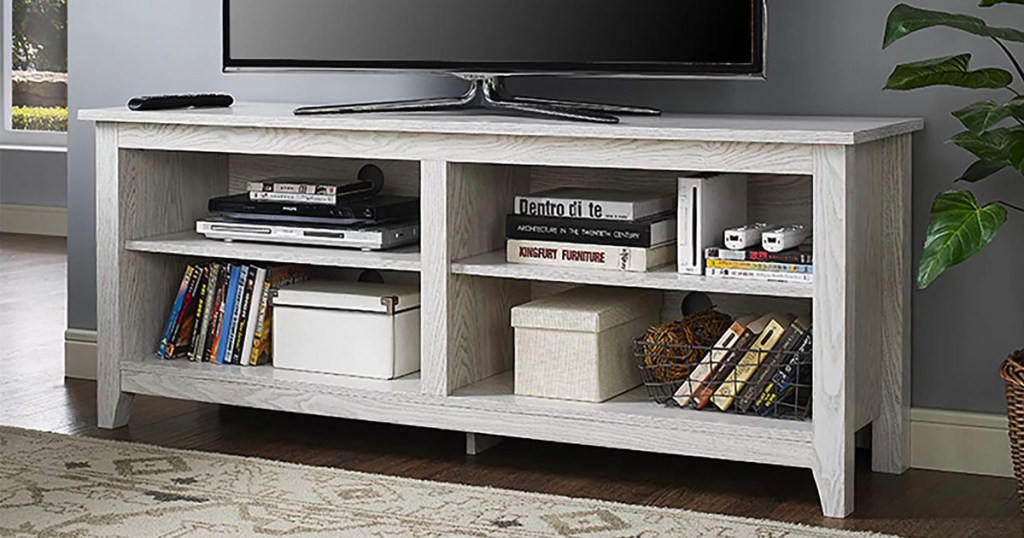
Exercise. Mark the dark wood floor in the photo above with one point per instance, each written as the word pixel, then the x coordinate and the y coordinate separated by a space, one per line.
pixel 34 395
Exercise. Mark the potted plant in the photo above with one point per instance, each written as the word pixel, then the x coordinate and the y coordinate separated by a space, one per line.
pixel 958 227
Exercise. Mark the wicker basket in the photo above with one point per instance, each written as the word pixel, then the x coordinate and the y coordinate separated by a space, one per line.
pixel 1012 371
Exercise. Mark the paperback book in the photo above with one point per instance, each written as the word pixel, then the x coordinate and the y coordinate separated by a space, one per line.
pixel 764 276
pixel 804 254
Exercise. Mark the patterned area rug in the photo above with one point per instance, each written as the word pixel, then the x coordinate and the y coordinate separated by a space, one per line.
pixel 59 485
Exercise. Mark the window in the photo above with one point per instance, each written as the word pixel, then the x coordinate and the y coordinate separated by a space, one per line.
pixel 35 74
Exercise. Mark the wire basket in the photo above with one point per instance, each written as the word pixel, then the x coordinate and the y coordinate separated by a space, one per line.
pixel 734 380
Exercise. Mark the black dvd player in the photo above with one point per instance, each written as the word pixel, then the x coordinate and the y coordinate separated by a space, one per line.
pixel 373 208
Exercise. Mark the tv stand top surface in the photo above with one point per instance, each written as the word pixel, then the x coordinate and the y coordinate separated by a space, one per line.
pixel 678 127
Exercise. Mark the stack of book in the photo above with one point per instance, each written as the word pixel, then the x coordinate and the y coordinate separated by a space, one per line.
pixel 593 229
pixel 761 365
pixel 792 265
pixel 222 313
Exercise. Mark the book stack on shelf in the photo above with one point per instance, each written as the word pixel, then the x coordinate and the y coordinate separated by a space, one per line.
pixel 593 229
pixel 778 255
pixel 760 365
pixel 222 313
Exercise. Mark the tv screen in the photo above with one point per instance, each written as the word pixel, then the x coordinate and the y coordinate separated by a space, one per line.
pixel 599 37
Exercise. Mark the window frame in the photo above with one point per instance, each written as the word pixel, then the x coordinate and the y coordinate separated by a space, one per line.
pixel 11 137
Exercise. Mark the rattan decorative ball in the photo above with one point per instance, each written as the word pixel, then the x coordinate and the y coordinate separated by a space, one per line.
pixel 671 350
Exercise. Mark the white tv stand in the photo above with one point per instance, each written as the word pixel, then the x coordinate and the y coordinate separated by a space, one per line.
pixel 849 176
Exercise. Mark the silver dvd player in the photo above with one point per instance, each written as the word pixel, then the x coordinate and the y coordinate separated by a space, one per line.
pixel 366 237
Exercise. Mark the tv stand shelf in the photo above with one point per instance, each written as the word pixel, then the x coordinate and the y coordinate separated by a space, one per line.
pixel 850 177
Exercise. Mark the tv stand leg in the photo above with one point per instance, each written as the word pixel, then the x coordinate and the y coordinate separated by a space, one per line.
pixel 590 107
pixel 113 408
pixel 477 443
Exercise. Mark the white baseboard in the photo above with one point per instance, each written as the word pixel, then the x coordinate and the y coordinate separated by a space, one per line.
pixel 956 441
pixel 80 354
pixel 33 220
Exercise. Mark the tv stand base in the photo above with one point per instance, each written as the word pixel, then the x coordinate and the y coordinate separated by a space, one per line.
pixel 489 93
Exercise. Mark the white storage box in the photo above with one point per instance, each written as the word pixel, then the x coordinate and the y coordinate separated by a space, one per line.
pixel 577 345
pixel 349 328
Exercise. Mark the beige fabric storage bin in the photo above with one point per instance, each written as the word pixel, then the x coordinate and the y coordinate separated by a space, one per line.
pixel 578 344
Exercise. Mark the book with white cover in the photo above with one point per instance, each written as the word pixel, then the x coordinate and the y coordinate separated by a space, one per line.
pixel 707 206
pixel 553 254
pixel 600 204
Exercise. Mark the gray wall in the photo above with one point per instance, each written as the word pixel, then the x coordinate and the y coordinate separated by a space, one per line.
pixel 33 178
pixel 824 59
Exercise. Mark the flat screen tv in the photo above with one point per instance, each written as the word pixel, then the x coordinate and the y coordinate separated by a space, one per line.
pixel 482 40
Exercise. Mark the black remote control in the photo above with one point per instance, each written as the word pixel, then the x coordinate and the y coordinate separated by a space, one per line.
pixel 166 102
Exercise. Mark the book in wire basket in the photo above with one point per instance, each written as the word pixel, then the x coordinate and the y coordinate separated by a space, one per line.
pixel 745 380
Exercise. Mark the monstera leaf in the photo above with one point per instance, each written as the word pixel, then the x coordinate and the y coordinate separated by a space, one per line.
pixel 980 170
pixel 990 3
pixel 946 71
pixel 957 229
pixel 904 20
pixel 997 146
pixel 982 116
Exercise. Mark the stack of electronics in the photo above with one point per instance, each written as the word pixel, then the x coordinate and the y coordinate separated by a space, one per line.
pixel 305 211
pixel 593 228
pixel 763 252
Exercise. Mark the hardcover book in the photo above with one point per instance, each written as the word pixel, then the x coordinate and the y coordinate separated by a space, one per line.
pixel 702 395
pixel 707 367
pixel 631 259
pixel 601 204
pixel 745 368
pixel 788 344
pixel 795 370
pixel 643 233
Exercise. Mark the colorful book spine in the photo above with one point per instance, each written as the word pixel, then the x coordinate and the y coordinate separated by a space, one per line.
pixel 642 233
pixel 261 332
pixel 803 255
pixel 229 309
pixel 702 394
pixel 787 346
pixel 172 319
pixel 745 368
pixel 795 371
pixel 218 312
pixel 764 276
pixel 182 338
pixel 552 254
pixel 707 367
pixel 768 267
pixel 200 307
pixel 238 291
pixel 243 318
pixel 252 317
pixel 200 348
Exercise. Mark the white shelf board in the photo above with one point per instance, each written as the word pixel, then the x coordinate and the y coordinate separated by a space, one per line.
pixel 493 264
pixel 629 421
pixel 270 377
pixel 192 244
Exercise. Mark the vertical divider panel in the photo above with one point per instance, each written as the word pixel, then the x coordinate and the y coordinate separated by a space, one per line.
pixel 466 333
pixel 140 193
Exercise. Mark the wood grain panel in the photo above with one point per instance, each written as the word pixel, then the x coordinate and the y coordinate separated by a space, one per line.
pixel 718 128
pixel 498 149
pixel 834 326
pixel 891 432
pixel 401 178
